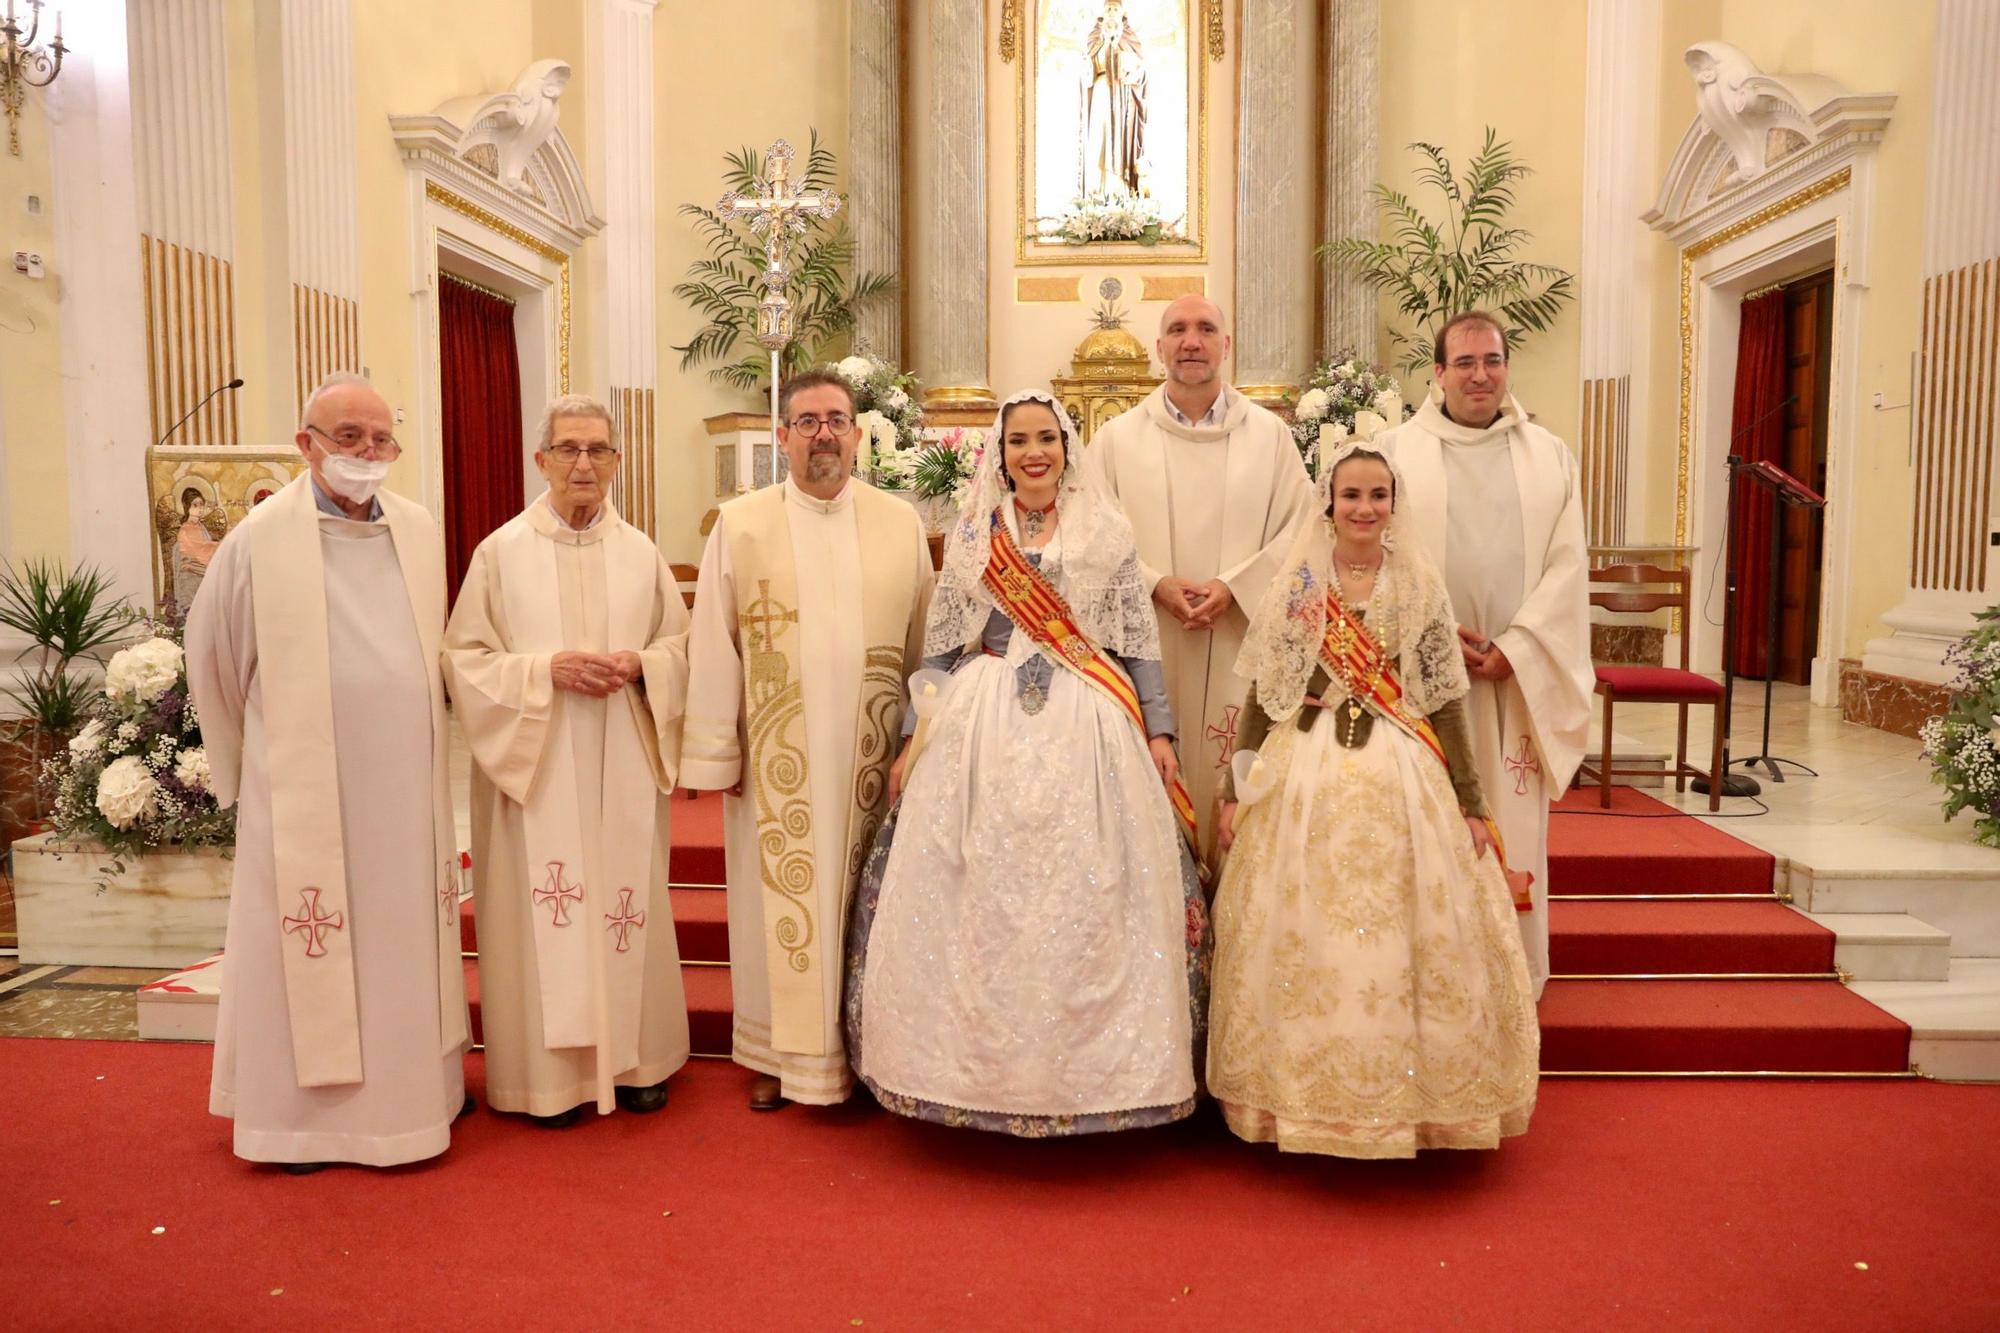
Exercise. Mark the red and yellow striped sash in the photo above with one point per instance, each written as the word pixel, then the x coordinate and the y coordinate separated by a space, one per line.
pixel 1039 611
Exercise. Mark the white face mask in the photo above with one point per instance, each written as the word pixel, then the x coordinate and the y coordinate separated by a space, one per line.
pixel 354 479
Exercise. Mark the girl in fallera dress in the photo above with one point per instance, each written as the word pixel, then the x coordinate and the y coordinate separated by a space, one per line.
pixel 1371 997
pixel 1028 939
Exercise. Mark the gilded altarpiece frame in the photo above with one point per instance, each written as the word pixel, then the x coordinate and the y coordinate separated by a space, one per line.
pixel 197 493
pixel 1044 41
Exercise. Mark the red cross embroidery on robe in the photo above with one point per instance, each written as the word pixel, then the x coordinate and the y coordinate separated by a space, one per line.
pixel 560 892
pixel 1224 735
pixel 1522 764
pixel 313 924
pixel 448 894
pixel 625 920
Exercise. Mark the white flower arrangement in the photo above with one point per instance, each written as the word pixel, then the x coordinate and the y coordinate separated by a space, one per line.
pixel 1096 218
pixel 125 791
pixel 1344 398
pixel 145 671
pixel 887 410
pixel 191 767
pixel 1963 742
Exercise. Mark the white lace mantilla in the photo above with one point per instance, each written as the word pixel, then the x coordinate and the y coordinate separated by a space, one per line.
pixel 1098 572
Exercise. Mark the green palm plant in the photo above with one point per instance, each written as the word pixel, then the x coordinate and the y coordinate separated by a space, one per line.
pixel 723 287
pixel 1435 270
pixel 69 615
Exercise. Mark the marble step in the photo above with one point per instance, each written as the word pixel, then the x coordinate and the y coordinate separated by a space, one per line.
pixel 1954 1023
pixel 1886 946
pixel 1946 881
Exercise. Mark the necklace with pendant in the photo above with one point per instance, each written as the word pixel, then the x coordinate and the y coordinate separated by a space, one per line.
pixel 1033 520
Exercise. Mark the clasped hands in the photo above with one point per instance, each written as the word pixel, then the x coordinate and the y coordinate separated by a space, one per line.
pixel 1483 658
pixel 1196 605
pixel 597 675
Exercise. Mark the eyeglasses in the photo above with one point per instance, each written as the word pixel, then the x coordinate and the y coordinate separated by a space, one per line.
pixel 360 444
pixel 837 422
pixel 601 455
pixel 1465 365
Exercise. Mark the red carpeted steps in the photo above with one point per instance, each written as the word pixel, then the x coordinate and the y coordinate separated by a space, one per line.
pixel 1653 892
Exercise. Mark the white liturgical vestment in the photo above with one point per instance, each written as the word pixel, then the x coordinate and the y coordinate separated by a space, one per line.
pixel 312 655
pixel 1205 503
pixel 808 620
pixel 580 980
pixel 1499 510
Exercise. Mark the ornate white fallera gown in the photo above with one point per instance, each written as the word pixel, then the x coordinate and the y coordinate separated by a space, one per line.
pixel 1026 951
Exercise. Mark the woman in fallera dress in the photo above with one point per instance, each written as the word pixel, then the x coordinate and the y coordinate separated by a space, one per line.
pixel 1370 993
pixel 1028 939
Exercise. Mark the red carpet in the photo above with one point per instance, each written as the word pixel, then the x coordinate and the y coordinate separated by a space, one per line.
pixel 1800 1026
pixel 1623 937
pixel 1591 853
pixel 1628 1205
pixel 696 858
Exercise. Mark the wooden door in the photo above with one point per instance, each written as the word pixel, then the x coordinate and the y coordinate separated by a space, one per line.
pixel 1808 359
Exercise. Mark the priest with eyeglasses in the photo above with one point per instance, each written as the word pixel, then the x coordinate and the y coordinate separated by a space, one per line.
pixel 567 661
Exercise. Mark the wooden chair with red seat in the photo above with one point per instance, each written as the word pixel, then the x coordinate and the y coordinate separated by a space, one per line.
pixel 686 576
pixel 1621 588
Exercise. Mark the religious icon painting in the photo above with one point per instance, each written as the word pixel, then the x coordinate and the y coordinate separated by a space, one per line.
pixel 1111 123
pixel 195 494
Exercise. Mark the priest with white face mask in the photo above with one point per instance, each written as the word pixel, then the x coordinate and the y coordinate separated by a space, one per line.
pixel 1494 502
pixel 312 658
pixel 1215 488
pixel 567 660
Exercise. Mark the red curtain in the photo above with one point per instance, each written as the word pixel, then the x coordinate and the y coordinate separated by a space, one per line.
pixel 481 383
pixel 1757 433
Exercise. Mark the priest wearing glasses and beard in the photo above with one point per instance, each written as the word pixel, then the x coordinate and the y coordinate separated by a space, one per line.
pixel 1214 488
pixel 567 658
pixel 808 618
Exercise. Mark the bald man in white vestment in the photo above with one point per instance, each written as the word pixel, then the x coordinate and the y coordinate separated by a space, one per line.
pixel 1214 487
pixel 1494 501
pixel 312 656
pixel 808 619
pixel 567 661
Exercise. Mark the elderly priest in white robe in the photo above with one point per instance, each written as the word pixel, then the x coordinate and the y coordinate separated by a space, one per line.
pixel 312 656
pixel 1214 487
pixel 808 619
pixel 1494 501
pixel 567 660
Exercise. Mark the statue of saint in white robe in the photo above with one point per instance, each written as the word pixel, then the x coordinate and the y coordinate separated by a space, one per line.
pixel 1500 512
pixel 808 619
pixel 312 657
pixel 580 980
pixel 1206 502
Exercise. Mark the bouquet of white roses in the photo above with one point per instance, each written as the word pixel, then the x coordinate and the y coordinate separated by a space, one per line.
pixel 1344 398
pixel 136 776
pixel 1111 217
pixel 888 414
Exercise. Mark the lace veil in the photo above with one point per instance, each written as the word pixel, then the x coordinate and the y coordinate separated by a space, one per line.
pixel 1409 615
pixel 1096 565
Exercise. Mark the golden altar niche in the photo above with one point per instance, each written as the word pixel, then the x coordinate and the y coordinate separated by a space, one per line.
pixel 1108 374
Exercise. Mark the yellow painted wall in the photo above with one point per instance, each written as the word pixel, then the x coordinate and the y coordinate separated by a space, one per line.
pixel 1869 48
pixel 1449 70
pixel 31 404
pixel 727 75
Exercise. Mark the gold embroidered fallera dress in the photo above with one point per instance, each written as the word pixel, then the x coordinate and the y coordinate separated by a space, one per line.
pixel 1370 996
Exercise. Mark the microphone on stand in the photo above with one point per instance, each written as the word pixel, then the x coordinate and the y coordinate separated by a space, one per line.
pixel 236 383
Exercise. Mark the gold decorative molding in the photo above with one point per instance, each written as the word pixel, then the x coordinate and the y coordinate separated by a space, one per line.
pixel 1010 30
pixel 961 395
pixel 1742 227
pixel 1033 288
pixel 1954 429
pixel 1215 45
pixel 1172 286
pixel 632 414
pixel 326 336
pixel 493 222
pixel 1606 431
pixel 190 302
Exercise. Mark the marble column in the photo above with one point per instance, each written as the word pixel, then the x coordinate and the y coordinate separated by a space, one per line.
pixel 948 302
pixel 874 162
pixel 1276 169
pixel 1956 397
pixel 1348 135
pixel 1620 129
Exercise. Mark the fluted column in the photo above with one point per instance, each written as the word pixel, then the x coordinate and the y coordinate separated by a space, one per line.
pixel 1956 398
pixel 622 160
pixel 949 298
pixel 1348 134
pixel 1276 166
pixel 1621 98
pixel 874 161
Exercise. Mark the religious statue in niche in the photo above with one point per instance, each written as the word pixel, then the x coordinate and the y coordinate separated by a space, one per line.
pixel 1112 159
pixel 196 494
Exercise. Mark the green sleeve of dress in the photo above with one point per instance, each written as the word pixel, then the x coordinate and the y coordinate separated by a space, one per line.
pixel 1449 723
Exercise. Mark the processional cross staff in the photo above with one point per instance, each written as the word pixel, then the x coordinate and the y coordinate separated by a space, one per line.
pixel 777 212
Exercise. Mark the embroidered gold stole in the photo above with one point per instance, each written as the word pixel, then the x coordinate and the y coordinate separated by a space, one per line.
pixel 799 944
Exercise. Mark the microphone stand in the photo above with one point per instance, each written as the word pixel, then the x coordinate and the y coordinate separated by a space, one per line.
pixel 236 383
pixel 1796 495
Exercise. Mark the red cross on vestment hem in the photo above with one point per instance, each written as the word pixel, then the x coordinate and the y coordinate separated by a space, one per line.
pixel 625 920
pixel 559 891
pixel 313 924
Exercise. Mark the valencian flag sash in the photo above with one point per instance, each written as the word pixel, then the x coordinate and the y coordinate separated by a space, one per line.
pixel 1353 657
pixel 1039 611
